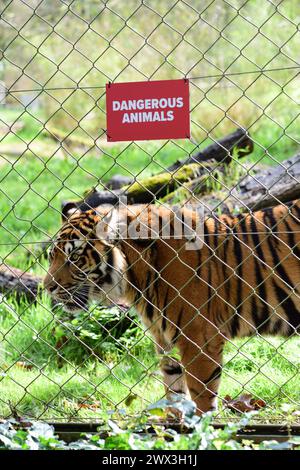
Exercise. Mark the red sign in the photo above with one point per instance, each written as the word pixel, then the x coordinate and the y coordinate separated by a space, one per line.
pixel 148 110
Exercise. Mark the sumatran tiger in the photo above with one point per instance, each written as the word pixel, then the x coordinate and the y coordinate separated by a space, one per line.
pixel 242 280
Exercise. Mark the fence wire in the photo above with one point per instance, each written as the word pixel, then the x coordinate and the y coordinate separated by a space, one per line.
pixel 239 289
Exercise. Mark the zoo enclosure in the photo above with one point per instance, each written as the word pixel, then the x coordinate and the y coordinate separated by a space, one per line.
pixel 242 63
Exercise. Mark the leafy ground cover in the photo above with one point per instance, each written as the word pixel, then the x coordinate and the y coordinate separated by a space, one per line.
pixel 145 433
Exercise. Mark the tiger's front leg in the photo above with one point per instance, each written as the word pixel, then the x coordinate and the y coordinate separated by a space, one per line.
pixel 173 374
pixel 203 367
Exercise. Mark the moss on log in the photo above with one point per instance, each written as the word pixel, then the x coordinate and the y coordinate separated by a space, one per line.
pixel 146 190
pixel 158 186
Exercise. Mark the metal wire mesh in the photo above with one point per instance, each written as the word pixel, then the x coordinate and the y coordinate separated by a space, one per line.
pixel 241 58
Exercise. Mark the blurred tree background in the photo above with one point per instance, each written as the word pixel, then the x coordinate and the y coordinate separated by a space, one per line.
pixel 67 50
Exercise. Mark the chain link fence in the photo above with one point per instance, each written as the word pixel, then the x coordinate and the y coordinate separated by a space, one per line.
pixel 242 61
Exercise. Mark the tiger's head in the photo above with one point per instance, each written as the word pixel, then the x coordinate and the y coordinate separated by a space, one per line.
pixel 83 266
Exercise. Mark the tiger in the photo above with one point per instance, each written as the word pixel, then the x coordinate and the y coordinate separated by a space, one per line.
pixel 241 280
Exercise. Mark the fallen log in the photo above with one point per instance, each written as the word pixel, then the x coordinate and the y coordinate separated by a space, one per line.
pixel 158 186
pixel 117 181
pixel 146 190
pixel 68 138
pixel 265 188
pixel 220 151
pixel 15 281
pixel 268 187
pixel 279 183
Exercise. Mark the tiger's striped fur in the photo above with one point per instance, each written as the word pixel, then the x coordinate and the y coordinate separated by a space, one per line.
pixel 243 281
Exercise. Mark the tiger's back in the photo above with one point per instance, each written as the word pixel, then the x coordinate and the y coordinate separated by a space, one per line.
pixel 245 278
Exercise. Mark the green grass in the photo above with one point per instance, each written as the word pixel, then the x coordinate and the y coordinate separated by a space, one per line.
pixel 65 382
pixel 59 378
pixel 216 51
pixel 30 125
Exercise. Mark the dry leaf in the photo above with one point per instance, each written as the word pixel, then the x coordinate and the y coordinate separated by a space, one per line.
pixel 244 403
pixel 24 365
pixel 90 406
pixel 59 344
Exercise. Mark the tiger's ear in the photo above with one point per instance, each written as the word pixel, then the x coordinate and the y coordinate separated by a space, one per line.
pixel 68 209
